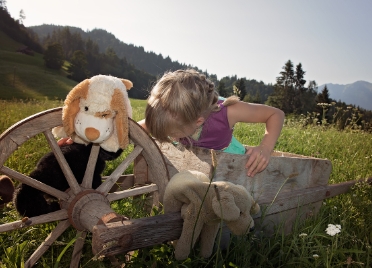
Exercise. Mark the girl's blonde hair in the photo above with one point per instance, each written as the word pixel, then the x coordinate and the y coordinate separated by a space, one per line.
pixel 178 99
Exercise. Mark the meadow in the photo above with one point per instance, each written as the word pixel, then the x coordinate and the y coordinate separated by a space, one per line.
pixel 309 244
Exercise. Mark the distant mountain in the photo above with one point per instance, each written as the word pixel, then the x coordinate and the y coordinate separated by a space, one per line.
pixel 149 62
pixel 358 93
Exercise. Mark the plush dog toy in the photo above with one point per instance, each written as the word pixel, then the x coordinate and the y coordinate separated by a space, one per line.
pixel 222 201
pixel 95 111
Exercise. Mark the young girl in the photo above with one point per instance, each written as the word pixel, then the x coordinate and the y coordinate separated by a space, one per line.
pixel 184 107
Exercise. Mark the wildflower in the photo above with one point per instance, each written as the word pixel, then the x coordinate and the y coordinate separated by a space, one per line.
pixel 302 235
pixel 333 229
pixel 315 256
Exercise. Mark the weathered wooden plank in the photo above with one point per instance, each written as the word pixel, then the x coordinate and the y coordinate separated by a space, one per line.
pixel 140 171
pixel 143 177
pixel 124 182
pixel 286 172
pixel 121 237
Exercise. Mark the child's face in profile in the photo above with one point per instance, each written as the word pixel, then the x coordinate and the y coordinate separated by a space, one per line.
pixel 186 130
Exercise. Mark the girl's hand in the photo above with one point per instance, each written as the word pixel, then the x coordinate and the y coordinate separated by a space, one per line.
pixel 65 141
pixel 259 158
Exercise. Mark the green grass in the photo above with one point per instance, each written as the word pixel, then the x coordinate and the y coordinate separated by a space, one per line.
pixel 25 77
pixel 27 87
pixel 307 246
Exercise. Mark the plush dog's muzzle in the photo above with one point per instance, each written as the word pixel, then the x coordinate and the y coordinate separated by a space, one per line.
pixel 93 129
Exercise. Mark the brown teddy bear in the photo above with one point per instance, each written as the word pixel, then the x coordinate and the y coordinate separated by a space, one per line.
pixel 203 205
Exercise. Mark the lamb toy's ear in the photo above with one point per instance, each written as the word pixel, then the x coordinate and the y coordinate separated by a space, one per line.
pixel 225 208
pixel 121 118
pixel 71 107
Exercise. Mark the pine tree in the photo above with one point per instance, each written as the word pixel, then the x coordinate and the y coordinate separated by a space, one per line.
pixel 78 66
pixel 290 93
pixel 323 97
pixel 283 95
pixel 3 5
pixel 222 89
pixel 240 84
pixel 53 56
pixel 22 16
pixel 299 90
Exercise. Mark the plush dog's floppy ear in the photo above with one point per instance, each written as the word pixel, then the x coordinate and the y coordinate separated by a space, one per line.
pixel 128 84
pixel 121 118
pixel 225 208
pixel 71 107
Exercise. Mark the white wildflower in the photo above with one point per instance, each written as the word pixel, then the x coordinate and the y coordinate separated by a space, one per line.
pixel 302 235
pixel 315 256
pixel 333 229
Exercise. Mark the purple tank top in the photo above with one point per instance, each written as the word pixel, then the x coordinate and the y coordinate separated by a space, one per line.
pixel 216 132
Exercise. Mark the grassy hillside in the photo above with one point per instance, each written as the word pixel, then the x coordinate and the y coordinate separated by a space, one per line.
pixel 25 77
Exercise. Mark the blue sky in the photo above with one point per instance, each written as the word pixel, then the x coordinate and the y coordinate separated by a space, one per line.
pixel 331 38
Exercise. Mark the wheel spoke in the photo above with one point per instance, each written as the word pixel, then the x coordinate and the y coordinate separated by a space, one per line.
pixel 50 217
pixel 34 183
pixel 78 248
pixel 132 192
pixel 60 228
pixel 111 180
pixel 88 176
pixel 62 162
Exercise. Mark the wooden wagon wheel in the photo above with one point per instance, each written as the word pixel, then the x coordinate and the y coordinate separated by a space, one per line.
pixel 81 206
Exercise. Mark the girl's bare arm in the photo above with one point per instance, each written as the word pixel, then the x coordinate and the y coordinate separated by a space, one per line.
pixel 258 113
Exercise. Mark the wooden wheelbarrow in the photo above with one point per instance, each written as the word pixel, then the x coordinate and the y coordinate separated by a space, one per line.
pixel 291 184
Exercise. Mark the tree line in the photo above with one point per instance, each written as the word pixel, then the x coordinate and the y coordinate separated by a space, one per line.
pixel 85 60
pixel 85 57
pixel 293 97
pixel 154 64
pixel 16 30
